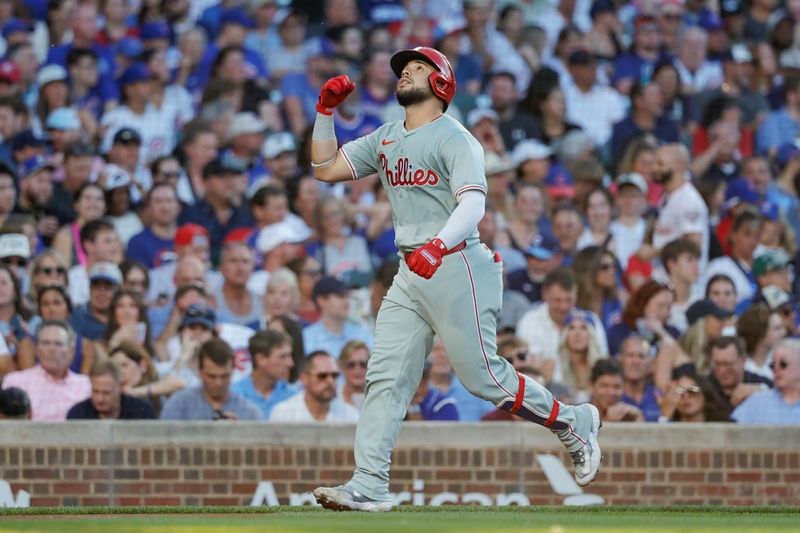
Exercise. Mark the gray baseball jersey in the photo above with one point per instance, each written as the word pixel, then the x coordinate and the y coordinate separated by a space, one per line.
pixel 423 171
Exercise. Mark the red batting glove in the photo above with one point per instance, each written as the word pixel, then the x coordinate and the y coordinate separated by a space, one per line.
pixel 426 259
pixel 333 93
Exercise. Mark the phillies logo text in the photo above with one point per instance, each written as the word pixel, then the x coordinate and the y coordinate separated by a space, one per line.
pixel 403 175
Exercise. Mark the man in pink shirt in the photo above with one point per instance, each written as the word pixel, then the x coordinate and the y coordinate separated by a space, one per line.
pixel 51 386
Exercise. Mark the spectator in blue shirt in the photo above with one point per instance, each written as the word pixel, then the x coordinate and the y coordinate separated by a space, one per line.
pixel 637 390
pixel 430 403
pixel 607 391
pixel 638 64
pixel 156 242
pixel 781 126
pixel 213 400
pixel 333 329
pixel 107 401
pixel 271 353
pixel 646 116
pixel 780 405
pixel 218 211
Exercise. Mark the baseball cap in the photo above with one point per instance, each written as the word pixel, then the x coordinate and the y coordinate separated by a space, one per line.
pixel 199 314
pixel 710 22
pixel 579 315
pixel 192 235
pixel 328 285
pixel 740 191
pixel 786 152
pixel 277 144
pixel 244 123
pixel 543 247
pixel 24 139
pixel 9 71
pixel 130 47
pixel 601 6
pixel 481 113
pixel 14 245
pixel 635 179
pixel 236 15
pixel 581 57
pixel 49 74
pixel 739 53
pixel 730 7
pixel 272 236
pixel 704 308
pixel 769 261
pixel 449 26
pixel 104 271
pixel 14 25
pixel 222 166
pixel 495 164
pixel 559 182
pixel 34 164
pixel 790 59
pixel 127 136
pixel 641 21
pixel 116 177
pixel 530 149
pixel 154 30
pixel 775 297
pixel 134 74
pixel 769 211
pixel 63 119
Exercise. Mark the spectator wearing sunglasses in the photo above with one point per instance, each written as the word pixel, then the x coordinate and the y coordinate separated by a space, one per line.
pixel 780 405
pixel 353 364
pixel 268 385
pixel 48 268
pixel 691 398
pixel 318 402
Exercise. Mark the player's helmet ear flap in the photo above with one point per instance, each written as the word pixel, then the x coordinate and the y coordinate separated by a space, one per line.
pixel 442 80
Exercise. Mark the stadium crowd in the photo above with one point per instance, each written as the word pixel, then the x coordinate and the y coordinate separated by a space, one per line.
pixel 166 252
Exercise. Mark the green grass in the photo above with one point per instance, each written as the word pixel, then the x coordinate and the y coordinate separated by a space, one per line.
pixel 611 519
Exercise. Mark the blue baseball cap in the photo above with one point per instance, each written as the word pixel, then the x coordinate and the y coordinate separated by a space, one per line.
pixel 579 315
pixel 24 139
pixel 786 152
pixel 559 182
pixel 130 47
pixel 769 211
pixel 199 314
pixel 544 247
pixel 134 74
pixel 13 26
pixel 34 164
pixel 236 15
pixel 155 30
pixel 602 6
pixel 710 21
pixel 328 285
pixel 740 191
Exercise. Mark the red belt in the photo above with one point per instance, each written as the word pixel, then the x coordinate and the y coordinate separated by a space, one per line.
pixel 457 248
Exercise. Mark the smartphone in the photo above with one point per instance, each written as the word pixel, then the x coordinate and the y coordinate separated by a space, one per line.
pixel 643 331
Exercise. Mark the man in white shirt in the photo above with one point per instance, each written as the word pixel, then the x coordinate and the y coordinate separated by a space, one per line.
pixel 591 106
pixel 541 327
pixel 318 401
pixel 682 211
pixel 696 72
pixel 629 228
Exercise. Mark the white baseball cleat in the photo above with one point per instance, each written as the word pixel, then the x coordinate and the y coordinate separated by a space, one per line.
pixel 346 498
pixel 586 459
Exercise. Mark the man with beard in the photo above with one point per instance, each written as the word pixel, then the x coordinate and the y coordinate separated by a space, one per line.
pixel 682 212
pixel 432 170
pixel 35 193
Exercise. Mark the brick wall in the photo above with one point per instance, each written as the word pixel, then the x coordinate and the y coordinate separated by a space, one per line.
pixel 223 463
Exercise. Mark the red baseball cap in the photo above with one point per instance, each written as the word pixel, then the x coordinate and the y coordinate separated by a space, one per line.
pixel 237 235
pixel 9 71
pixel 191 234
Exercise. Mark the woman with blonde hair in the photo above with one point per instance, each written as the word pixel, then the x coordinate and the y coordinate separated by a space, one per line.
pixel 342 253
pixel 48 268
pixel 577 353
pixel 282 296
pixel 353 363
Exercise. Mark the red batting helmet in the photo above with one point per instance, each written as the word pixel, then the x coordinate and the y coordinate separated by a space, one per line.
pixel 443 80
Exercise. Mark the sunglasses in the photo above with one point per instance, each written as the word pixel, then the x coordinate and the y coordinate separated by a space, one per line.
pixel 694 389
pixel 782 364
pixel 170 174
pixel 353 364
pixel 49 271
pixel 322 376
pixel 15 261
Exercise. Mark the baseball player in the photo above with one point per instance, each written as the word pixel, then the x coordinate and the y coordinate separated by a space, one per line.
pixel 449 283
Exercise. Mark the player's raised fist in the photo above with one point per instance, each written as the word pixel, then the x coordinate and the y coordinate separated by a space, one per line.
pixel 333 93
pixel 425 260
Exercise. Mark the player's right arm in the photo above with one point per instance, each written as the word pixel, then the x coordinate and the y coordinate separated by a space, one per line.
pixel 328 163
